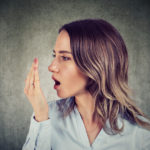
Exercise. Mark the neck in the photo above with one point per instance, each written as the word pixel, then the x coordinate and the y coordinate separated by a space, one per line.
pixel 85 105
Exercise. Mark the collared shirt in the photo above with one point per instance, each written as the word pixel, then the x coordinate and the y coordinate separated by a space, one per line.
pixel 69 133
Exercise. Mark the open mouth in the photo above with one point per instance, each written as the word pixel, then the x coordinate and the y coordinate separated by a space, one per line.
pixel 57 82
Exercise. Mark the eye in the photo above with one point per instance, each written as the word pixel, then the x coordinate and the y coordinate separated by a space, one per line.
pixel 65 58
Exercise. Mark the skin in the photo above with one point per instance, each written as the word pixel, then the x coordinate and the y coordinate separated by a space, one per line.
pixel 35 94
pixel 73 83
pixel 65 70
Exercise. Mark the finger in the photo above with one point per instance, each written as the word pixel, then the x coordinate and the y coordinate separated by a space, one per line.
pixel 29 76
pixel 36 74
pixel 31 82
pixel 27 85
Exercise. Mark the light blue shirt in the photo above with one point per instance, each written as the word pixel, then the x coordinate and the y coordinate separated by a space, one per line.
pixel 58 133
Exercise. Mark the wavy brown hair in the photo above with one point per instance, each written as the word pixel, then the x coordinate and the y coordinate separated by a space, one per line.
pixel 101 54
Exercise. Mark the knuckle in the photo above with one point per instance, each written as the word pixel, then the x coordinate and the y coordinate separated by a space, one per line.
pixel 37 87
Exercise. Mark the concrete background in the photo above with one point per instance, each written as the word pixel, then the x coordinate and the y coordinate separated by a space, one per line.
pixel 28 29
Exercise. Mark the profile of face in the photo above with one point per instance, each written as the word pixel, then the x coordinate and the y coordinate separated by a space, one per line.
pixel 69 80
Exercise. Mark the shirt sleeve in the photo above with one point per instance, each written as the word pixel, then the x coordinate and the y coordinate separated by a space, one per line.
pixel 39 135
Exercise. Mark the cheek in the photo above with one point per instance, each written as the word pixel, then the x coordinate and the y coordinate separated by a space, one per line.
pixel 74 80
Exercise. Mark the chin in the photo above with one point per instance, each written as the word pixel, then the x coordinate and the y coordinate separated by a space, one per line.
pixel 63 95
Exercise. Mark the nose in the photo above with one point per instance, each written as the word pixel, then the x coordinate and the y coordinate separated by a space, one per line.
pixel 53 67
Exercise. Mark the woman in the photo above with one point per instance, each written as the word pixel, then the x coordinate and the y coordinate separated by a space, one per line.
pixel 90 70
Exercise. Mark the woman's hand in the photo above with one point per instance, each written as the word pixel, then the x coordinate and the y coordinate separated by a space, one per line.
pixel 34 93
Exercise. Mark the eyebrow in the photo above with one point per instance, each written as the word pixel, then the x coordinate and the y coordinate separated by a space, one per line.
pixel 62 51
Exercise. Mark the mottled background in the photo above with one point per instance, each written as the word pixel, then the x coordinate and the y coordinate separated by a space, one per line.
pixel 28 29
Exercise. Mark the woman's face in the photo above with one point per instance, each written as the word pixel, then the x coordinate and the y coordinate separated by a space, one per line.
pixel 71 81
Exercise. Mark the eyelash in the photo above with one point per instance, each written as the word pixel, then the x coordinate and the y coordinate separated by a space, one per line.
pixel 63 57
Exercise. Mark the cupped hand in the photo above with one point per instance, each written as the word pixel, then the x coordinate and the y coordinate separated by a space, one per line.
pixel 34 93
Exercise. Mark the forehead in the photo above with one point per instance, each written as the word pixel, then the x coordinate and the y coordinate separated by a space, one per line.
pixel 62 42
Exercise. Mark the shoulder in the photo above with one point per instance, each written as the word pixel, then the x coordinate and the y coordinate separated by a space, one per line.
pixel 144 136
pixel 138 135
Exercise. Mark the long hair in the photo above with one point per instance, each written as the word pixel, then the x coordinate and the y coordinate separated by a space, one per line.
pixel 100 53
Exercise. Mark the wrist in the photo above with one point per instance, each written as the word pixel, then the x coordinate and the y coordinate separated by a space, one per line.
pixel 41 116
pixel 40 119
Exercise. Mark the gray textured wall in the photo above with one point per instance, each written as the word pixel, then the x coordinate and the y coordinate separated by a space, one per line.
pixel 28 29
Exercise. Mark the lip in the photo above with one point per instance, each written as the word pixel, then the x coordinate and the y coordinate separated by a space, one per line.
pixel 55 86
pixel 55 78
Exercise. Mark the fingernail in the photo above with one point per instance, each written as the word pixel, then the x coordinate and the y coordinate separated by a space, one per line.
pixel 35 60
